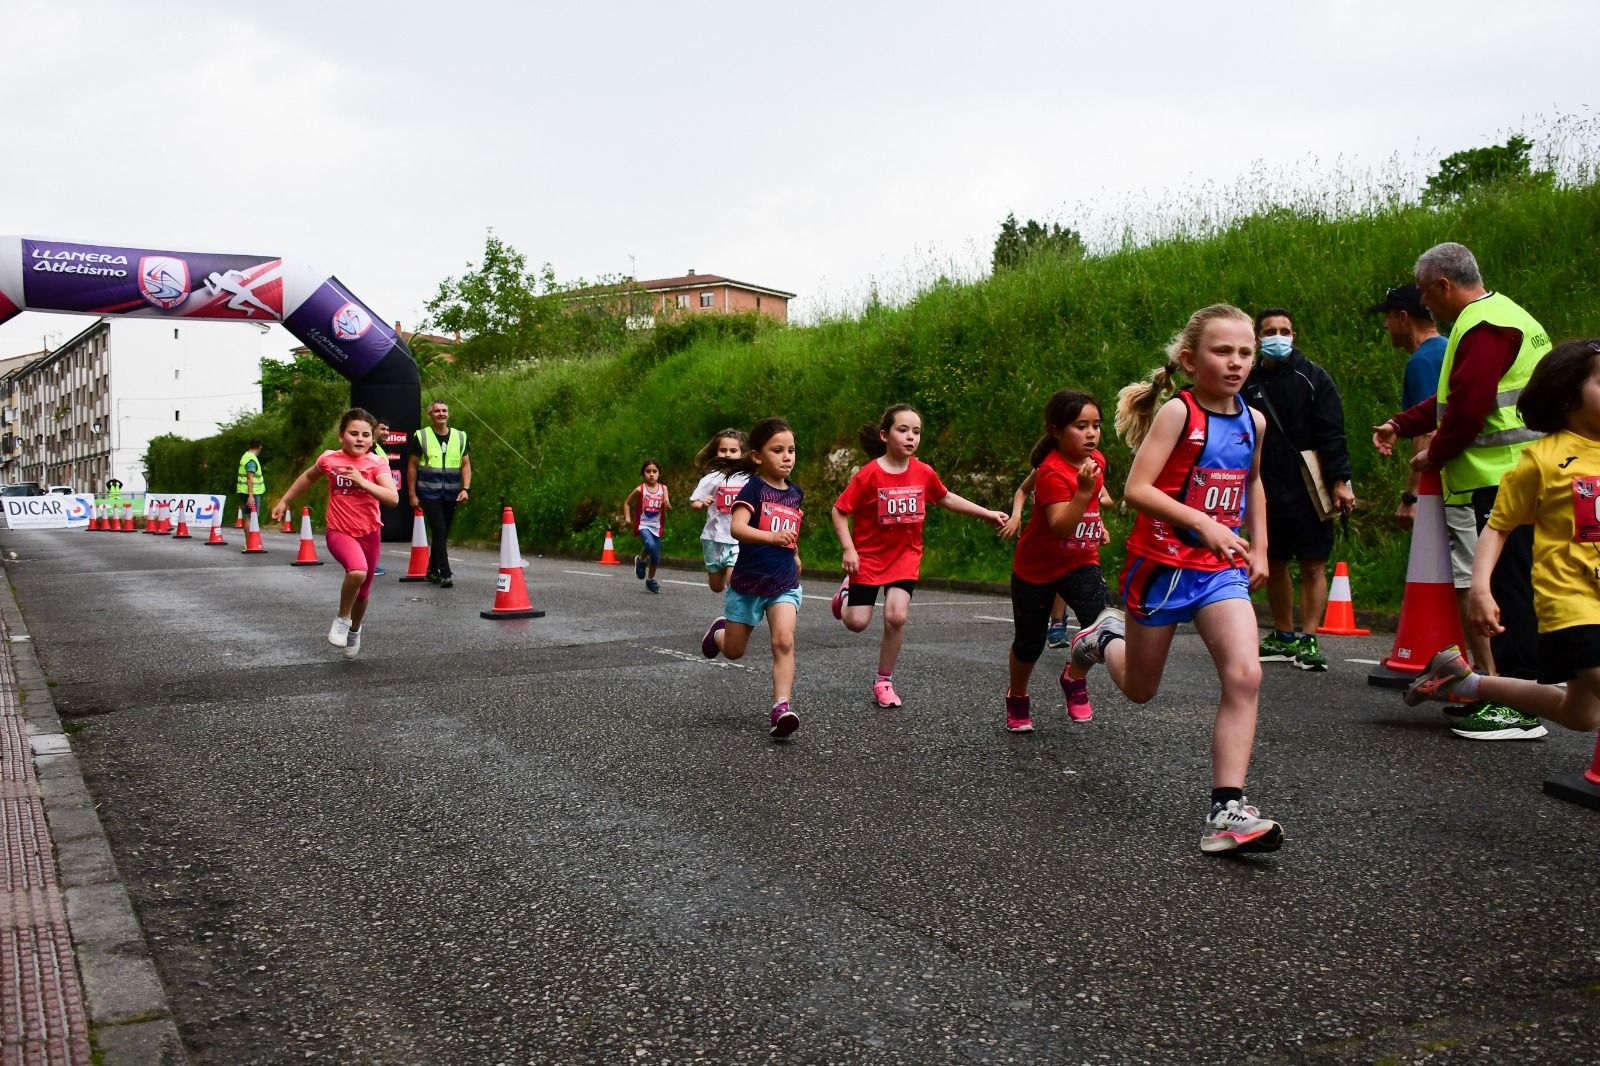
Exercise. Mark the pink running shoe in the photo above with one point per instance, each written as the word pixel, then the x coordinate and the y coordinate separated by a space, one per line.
pixel 883 691
pixel 1077 693
pixel 708 643
pixel 784 721
pixel 838 598
pixel 1019 714
pixel 1446 670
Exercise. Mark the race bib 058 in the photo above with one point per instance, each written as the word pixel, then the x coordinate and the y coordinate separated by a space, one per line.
pixel 901 506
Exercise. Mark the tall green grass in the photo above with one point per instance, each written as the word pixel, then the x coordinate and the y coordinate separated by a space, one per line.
pixel 562 442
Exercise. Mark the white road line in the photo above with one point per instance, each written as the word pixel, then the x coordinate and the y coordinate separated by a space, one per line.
pixel 585 573
pixel 1366 662
pixel 990 618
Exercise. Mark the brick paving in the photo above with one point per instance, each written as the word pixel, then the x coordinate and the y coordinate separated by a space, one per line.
pixel 43 1019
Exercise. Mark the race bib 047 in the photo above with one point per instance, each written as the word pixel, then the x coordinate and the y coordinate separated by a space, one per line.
pixel 1219 493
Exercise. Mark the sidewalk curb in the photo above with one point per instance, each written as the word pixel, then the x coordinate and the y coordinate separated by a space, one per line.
pixel 130 1018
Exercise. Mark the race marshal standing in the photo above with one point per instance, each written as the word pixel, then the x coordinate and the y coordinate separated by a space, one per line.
pixel 439 473
pixel 251 484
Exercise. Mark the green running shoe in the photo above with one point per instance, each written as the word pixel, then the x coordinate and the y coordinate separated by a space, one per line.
pixel 1308 656
pixel 1496 721
pixel 1274 650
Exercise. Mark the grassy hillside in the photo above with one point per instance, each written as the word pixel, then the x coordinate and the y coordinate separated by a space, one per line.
pixel 563 442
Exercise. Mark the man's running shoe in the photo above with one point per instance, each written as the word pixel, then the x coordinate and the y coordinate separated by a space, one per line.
pixel 433 577
pixel 1089 643
pixel 1496 721
pixel 1445 672
pixel 1019 714
pixel 1056 635
pixel 653 586
pixel 339 632
pixel 883 691
pixel 1308 656
pixel 1077 693
pixel 708 643
pixel 1274 649
pixel 447 582
pixel 784 720
pixel 838 599
pixel 638 567
pixel 1237 826
pixel 352 646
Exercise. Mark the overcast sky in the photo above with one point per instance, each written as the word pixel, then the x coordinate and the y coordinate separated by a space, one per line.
pixel 817 147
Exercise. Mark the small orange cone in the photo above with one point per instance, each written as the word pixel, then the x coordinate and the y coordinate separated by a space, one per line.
pixel 152 518
pixel 238 523
pixel 100 522
pixel 252 536
pixel 1429 617
pixel 216 529
pixel 288 524
pixel 182 532
pixel 127 519
pixel 608 554
pixel 95 512
pixel 308 544
pixel 1341 618
pixel 510 593
pixel 418 569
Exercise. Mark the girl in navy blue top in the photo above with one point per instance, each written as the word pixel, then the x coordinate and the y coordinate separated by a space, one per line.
pixel 766 581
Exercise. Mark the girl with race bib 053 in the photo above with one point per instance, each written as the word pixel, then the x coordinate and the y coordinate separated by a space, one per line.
pixel 719 461
pixel 358 482
pixel 766 583
pixel 1058 554
pixel 1195 485
pixel 878 519
pixel 653 502
pixel 1555 487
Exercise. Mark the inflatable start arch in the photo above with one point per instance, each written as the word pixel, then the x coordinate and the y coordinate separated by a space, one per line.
pixel 95 279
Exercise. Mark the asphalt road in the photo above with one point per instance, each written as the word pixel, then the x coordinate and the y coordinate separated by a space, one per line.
pixel 570 840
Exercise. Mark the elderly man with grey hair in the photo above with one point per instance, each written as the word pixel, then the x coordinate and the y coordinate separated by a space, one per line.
pixel 1493 348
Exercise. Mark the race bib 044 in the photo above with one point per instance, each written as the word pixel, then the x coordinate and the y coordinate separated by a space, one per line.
pixel 901 506
pixel 1219 493
pixel 778 518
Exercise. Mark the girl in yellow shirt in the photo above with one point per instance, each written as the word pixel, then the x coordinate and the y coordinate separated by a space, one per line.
pixel 1555 487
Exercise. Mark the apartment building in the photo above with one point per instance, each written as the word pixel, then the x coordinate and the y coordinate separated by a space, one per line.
pixel 690 294
pixel 85 412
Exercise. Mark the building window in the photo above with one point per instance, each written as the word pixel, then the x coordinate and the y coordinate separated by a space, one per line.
pixel 708 299
pixel 683 301
pixel 176 417
pixel 174 332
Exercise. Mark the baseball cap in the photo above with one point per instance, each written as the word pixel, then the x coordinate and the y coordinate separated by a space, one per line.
pixel 1407 298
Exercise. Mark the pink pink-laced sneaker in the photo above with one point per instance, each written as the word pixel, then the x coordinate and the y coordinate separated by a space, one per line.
pixel 1019 715
pixel 839 597
pixel 883 691
pixel 784 720
pixel 1077 693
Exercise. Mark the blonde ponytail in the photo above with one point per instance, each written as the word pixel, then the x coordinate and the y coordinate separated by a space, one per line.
pixel 1137 403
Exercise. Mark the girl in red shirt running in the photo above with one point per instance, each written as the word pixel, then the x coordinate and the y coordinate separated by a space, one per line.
pixel 358 482
pixel 1058 555
pixel 1196 487
pixel 878 518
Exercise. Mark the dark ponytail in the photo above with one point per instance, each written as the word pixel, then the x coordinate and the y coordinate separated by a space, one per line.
pixel 764 431
pixel 1060 411
pixel 870 435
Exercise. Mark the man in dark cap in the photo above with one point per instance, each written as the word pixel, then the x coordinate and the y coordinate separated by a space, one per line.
pixel 1411 329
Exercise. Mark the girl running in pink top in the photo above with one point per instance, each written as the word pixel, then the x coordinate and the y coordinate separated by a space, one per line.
pixel 358 482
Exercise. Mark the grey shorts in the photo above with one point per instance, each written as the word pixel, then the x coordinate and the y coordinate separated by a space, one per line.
pixel 1462 525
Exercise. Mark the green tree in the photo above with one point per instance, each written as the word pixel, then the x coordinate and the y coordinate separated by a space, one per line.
pixel 1476 168
pixel 1015 243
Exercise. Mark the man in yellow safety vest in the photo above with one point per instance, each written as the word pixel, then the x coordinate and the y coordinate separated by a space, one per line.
pixel 1494 346
pixel 251 483
pixel 439 473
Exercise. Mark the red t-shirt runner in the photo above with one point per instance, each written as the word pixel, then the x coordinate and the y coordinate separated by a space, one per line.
pixel 886 512
pixel 1043 557
pixel 352 511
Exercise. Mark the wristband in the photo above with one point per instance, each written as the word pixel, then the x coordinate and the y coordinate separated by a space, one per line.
pixel 1406 497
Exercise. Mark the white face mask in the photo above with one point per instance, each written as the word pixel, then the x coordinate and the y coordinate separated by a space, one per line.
pixel 1276 347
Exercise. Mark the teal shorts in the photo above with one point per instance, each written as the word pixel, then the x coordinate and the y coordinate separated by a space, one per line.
pixel 750 610
pixel 718 556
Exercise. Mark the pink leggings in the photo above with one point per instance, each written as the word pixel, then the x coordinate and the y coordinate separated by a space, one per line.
pixel 356 553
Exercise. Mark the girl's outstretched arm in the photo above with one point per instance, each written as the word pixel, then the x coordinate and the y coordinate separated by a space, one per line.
pixel 301 484
pixel 850 561
pixel 627 508
pixel 1019 499
pixel 1483 613
pixel 960 505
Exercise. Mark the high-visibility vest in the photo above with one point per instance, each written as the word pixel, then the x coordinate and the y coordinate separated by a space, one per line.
pixel 1503 435
pixel 439 471
pixel 243 487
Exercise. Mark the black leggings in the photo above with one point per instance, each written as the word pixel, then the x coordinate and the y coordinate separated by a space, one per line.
pixel 1083 589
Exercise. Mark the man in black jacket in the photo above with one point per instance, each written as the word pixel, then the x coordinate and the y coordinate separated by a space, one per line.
pixel 1304 412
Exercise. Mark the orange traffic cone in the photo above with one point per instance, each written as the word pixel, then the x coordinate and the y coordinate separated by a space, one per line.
pixel 216 528
pixel 100 522
pixel 252 536
pixel 94 518
pixel 510 593
pixel 182 532
pixel 418 570
pixel 127 518
pixel 152 518
pixel 308 544
pixel 288 525
pixel 608 554
pixel 238 523
pixel 1341 617
pixel 1429 618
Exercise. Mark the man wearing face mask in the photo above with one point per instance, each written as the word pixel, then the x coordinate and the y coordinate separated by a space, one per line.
pixel 1304 412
